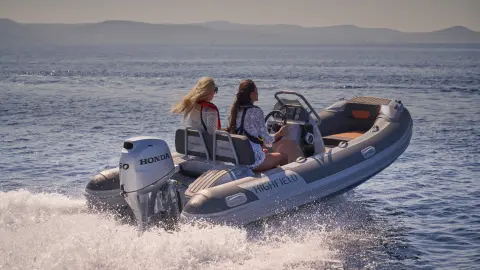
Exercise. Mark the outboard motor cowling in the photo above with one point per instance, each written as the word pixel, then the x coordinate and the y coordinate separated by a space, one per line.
pixel 146 165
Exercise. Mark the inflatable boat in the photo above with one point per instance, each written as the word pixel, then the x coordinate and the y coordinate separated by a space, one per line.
pixel 208 178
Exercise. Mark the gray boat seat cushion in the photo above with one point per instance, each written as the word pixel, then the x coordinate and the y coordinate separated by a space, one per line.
pixel 244 150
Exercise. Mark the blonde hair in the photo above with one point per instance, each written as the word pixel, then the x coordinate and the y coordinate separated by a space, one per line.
pixel 200 92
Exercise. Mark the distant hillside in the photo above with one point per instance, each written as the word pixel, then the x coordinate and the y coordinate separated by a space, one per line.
pixel 217 32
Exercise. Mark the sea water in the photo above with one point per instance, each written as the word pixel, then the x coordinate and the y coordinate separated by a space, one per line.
pixel 65 111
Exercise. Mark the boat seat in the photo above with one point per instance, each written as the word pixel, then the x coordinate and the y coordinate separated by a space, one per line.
pixel 201 144
pixel 335 139
pixel 364 108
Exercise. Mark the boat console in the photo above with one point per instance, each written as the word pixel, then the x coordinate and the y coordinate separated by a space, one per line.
pixel 303 137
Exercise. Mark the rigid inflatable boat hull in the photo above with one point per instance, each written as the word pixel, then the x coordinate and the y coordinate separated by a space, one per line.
pixel 312 179
pixel 103 192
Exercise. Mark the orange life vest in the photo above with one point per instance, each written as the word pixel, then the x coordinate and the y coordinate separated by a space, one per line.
pixel 209 105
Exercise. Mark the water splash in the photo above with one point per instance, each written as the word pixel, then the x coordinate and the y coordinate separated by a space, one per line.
pixel 54 231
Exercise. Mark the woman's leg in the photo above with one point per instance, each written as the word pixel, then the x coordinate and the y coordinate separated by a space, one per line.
pixel 271 161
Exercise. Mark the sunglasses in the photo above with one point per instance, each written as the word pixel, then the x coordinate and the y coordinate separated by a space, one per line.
pixel 216 89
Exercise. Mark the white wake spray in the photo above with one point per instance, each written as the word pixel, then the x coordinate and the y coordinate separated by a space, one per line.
pixel 52 231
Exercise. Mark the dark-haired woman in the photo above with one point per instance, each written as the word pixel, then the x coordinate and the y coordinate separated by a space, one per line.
pixel 247 119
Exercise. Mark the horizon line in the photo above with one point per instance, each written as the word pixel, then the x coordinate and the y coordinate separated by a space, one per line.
pixel 223 21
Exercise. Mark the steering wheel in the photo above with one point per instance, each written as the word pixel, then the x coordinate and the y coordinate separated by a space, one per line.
pixel 276 127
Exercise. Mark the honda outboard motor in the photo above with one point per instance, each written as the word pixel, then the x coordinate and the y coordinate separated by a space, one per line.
pixel 146 166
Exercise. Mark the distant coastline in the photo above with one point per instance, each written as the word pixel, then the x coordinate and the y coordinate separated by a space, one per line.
pixel 220 33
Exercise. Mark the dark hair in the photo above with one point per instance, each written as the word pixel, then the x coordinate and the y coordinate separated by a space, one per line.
pixel 242 98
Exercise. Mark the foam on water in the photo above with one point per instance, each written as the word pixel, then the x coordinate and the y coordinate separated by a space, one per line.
pixel 52 231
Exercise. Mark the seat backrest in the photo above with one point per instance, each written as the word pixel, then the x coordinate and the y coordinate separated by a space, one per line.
pixel 196 143
pixel 362 111
pixel 365 107
pixel 223 152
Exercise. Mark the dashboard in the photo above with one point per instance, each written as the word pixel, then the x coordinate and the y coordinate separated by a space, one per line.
pixel 295 113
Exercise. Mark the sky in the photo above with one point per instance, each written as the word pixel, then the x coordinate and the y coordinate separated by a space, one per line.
pixel 403 15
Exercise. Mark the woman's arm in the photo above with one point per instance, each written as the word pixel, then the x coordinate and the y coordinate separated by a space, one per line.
pixel 259 124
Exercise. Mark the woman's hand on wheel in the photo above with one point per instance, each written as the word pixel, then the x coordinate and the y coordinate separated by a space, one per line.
pixel 281 132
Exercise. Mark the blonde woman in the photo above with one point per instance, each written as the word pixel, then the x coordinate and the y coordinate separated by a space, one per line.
pixel 198 111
